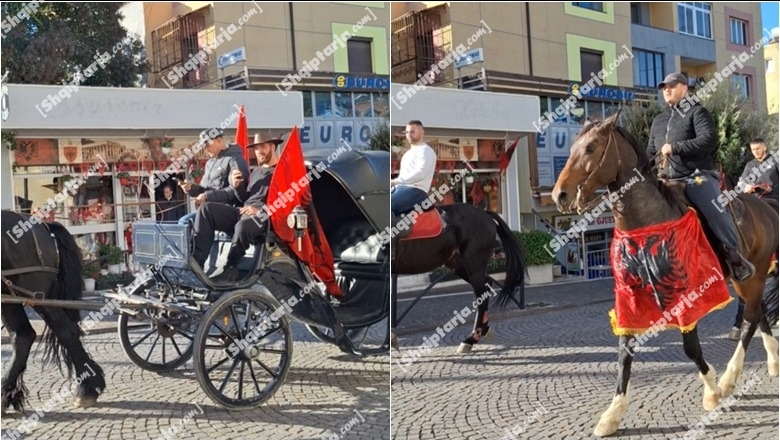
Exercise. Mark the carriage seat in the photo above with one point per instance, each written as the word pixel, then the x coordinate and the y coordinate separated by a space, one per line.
pixel 356 242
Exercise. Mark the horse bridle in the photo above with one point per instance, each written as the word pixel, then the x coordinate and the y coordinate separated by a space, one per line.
pixel 30 269
pixel 590 205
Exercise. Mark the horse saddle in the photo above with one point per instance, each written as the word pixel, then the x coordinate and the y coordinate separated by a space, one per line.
pixel 429 224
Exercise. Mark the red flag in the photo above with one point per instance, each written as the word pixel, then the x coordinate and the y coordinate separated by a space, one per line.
pixel 283 198
pixel 505 158
pixel 242 134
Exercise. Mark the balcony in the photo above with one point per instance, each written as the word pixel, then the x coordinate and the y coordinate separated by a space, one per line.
pixel 175 44
pixel 694 51
pixel 419 41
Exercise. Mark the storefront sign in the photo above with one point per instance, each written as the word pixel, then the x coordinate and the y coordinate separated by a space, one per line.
pixel 328 134
pixel 469 58
pixel 346 82
pixel 231 57
pixel 602 92
pixel 605 221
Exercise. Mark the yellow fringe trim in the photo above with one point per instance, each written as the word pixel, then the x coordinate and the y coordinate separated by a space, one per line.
pixel 620 331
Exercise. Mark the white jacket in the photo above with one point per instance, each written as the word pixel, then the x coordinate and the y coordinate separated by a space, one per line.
pixel 417 167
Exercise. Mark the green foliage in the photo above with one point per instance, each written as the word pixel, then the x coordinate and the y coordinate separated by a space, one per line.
pixel 9 140
pixel 638 118
pixel 380 137
pixel 535 244
pixel 62 38
pixel 112 253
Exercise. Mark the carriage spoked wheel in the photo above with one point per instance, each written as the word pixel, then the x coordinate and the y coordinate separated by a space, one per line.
pixel 157 340
pixel 243 349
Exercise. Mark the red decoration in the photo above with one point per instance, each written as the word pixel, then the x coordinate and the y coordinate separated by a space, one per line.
pixel 242 134
pixel 506 157
pixel 315 250
pixel 682 267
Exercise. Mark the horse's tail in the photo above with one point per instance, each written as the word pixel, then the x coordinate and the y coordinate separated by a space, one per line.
pixel 515 262
pixel 69 286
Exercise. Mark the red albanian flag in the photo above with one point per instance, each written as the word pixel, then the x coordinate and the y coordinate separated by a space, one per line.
pixel 503 162
pixel 242 134
pixel 315 250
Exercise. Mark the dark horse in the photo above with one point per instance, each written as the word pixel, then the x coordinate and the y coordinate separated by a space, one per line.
pixel 44 259
pixel 465 245
pixel 605 155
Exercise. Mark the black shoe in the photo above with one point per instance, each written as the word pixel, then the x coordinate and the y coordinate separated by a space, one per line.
pixel 229 275
pixel 741 269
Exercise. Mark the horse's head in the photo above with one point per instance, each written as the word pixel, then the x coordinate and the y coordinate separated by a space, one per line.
pixel 592 165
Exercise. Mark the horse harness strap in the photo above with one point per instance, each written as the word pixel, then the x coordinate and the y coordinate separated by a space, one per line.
pixel 30 269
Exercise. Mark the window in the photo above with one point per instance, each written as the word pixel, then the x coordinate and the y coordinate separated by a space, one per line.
pixel 648 68
pixel 594 6
pixel 359 55
pixel 640 13
pixel 324 106
pixel 590 64
pixel 738 32
pixel 695 19
pixel 343 107
pixel 742 82
pixel 307 108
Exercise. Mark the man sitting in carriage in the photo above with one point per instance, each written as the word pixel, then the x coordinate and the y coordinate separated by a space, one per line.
pixel 244 223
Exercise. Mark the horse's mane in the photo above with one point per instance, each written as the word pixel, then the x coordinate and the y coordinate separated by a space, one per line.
pixel 675 194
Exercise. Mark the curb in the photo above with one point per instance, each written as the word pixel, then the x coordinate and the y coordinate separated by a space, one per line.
pixel 507 315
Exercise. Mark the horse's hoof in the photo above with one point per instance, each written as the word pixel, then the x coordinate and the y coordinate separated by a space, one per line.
pixel 711 401
pixel 607 426
pixel 773 369
pixel 84 402
pixel 726 390
pixel 465 348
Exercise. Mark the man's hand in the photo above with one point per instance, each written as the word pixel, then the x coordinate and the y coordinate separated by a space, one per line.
pixel 666 149
pixel 201 199
pixel 248 210
pixel 236 177
pixel 393 183
pixel 750 188
pixel 185 186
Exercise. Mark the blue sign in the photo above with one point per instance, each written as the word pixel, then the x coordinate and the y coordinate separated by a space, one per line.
pixel 231 57
pixel 470 57
pixel 602 92
pixel 361 83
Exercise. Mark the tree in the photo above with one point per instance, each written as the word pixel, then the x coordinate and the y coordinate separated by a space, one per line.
pixel 380 137
pixel 59 41
pixel 736 123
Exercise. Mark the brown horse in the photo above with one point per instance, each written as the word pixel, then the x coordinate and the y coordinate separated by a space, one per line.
pixel 605 155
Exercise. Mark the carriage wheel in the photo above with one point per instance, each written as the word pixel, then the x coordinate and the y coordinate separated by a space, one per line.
pixel 153 346
pixel 243 350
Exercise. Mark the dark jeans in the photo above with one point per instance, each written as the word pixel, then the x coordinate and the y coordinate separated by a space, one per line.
pixel 704 196
pixel 214 216
pixel 403 198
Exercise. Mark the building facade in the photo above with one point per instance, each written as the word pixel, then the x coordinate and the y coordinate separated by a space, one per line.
pixel 551 50
pixel 771 58
pixel 334 53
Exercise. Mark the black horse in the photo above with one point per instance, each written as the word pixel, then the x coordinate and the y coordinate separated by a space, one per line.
pixel 465 245
pixel 44 259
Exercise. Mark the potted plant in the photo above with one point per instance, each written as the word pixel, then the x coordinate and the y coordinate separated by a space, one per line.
pixel 470 176
pixel 113 256
pixel 90 275
pixel 124 177
pixel 538 257
pixel 166 145
pixel 196 175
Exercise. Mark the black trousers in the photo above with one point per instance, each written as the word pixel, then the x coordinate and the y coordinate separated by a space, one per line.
pixel 215 216
pixel 703 194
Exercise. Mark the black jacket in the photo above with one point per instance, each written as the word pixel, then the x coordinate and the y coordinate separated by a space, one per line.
pixel 693 138
pixel 170 210
pixel 255 193
pixel 216 176
pixel 767 174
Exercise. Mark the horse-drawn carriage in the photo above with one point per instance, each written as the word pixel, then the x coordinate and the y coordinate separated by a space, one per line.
pixel 239 334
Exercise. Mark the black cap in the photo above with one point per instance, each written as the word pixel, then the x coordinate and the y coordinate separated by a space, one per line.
pixel 673 79
pixel 211 134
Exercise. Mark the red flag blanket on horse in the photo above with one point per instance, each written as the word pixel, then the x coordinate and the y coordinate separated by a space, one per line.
pixel 666 275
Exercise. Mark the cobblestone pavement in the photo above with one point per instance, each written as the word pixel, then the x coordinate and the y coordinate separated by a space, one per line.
pixel 325 392
pixel 557 371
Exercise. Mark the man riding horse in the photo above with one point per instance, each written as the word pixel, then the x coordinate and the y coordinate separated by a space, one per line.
pixel 688 140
